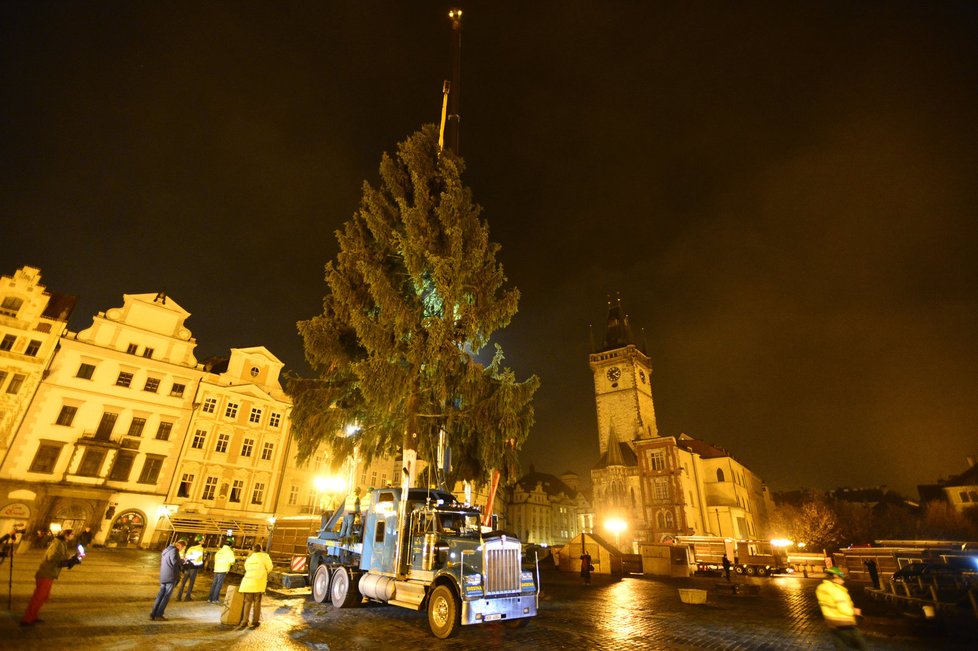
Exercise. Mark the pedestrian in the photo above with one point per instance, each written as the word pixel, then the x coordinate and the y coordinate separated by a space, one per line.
pixel 170 565
pixel 257 566
pixel 726 567
pixel 7 542
pixel 223 560
pixel 586 567
pixel 874 574
pixel 838 610
pixel 85 537
pixel 193 560
pixel 55 558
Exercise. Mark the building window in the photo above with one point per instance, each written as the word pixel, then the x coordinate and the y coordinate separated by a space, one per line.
pixel 210 404
pixel 16 382
pixel 247 447
pixel 152 384
pixel 91 462
pixel 46 457
pixel 136 427
pixel 293 495
pixel 67 415
pixel 274 420
pixel 210 487
pixel 720 474
pixel 131 349
pixel 222 442
pixel 258 494
pixel 11 305
pixel 85 371
pixel 199 437
pixel 266 451
pixel 147 352
pixel 124 379
pixel 151 469
pixel 8 342
pixel 660 488
pixel 177 390
pixel 122 466
pixel 964 496
pixel 3 378
pixel 105 426
pixel 232 410
pixel 163 433
pixel 32 348
pixel 255 416
pixel 657 459
pixel 186 483
pixel 236 488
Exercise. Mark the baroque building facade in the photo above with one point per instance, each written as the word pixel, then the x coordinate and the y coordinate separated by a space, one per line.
pixel 546 510
pixel 655 486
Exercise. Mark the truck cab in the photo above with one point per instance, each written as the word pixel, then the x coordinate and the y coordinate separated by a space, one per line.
pixel 422 550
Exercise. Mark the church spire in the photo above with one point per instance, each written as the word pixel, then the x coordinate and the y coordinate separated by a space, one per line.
pixel 619 331
pixel 614 457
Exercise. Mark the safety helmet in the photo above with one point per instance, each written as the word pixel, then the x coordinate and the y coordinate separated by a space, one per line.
pixel 198 538
pixel 836 571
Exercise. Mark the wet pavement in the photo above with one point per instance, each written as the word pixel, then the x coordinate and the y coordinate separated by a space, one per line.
pixel 104 604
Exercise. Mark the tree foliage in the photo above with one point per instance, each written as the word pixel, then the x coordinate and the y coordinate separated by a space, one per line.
pixel 413 297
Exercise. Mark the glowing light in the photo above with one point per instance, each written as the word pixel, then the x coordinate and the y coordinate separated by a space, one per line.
pixel 782 542
pixel 330 484
pixel 615 525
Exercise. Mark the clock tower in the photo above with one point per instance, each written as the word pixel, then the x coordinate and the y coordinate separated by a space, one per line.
pixel 622 374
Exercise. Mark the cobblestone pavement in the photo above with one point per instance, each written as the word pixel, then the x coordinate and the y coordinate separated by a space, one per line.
pixel 104 604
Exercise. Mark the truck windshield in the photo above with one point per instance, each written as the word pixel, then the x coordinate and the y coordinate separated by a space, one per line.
pixel 458 522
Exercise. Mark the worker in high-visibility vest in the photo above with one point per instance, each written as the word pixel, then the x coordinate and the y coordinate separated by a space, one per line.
pixel 839 612
pixel 223 560
pixel 193 560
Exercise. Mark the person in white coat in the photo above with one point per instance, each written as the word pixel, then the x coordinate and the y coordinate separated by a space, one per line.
pixel 257 566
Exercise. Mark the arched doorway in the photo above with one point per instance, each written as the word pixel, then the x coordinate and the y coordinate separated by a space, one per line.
pixel 127 530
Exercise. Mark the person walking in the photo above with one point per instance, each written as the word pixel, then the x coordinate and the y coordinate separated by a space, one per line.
pixel 223 560
pixel 874 573
pixel 838 610
pixel 726 567
pixel 55 558
pixel 586 567
pixel 257 566
pixel 85 537
pixel 7 542
pixel 193 560
pixel 170 565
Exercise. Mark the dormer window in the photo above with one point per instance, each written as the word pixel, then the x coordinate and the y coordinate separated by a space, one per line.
pixel 11 306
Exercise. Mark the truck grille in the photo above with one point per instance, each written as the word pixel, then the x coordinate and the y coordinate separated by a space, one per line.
pixel 502 571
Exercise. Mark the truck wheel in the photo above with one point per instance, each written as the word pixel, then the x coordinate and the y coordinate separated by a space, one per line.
pixel 443 612
pixel 750 571
pixel 342 592
pixel 320 584
pixel 762 571
pixel 739 570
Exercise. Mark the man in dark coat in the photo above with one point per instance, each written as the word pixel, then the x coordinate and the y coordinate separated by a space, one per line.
pixel 726 567
pixel 170 564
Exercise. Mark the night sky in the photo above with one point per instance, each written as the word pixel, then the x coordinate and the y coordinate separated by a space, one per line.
pixel 784 194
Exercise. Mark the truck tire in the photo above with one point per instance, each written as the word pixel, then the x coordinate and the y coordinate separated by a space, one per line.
pixel 320 584
pixel 343 593
pixel 762 571
pixel 443 612
pixel 751 570
pixel 739 569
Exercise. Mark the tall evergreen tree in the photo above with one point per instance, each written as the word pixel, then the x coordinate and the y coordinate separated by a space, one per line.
pixel 413 296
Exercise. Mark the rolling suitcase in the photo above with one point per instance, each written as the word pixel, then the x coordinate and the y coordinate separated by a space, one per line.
pixel 233 605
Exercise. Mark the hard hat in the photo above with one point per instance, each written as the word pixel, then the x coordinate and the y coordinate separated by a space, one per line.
pixel 198 539
pixel 836 571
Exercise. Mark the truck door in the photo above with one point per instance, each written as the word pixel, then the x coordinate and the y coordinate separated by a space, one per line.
pixel 380 534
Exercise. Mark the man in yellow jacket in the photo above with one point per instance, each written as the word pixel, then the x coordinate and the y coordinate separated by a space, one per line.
pixel 257 566
pixel 839 612
pixel 193 561
pixel 223 560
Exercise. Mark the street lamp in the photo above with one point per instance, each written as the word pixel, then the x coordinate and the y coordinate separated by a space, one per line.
pixel 328 486
pixel 616 525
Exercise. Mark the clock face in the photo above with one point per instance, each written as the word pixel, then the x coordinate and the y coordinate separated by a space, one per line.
pixel 614 373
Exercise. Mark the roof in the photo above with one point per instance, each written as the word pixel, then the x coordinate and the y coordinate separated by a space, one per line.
pixel 551 485
pixel 60 306
pixel 701 448
pixel 622 455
